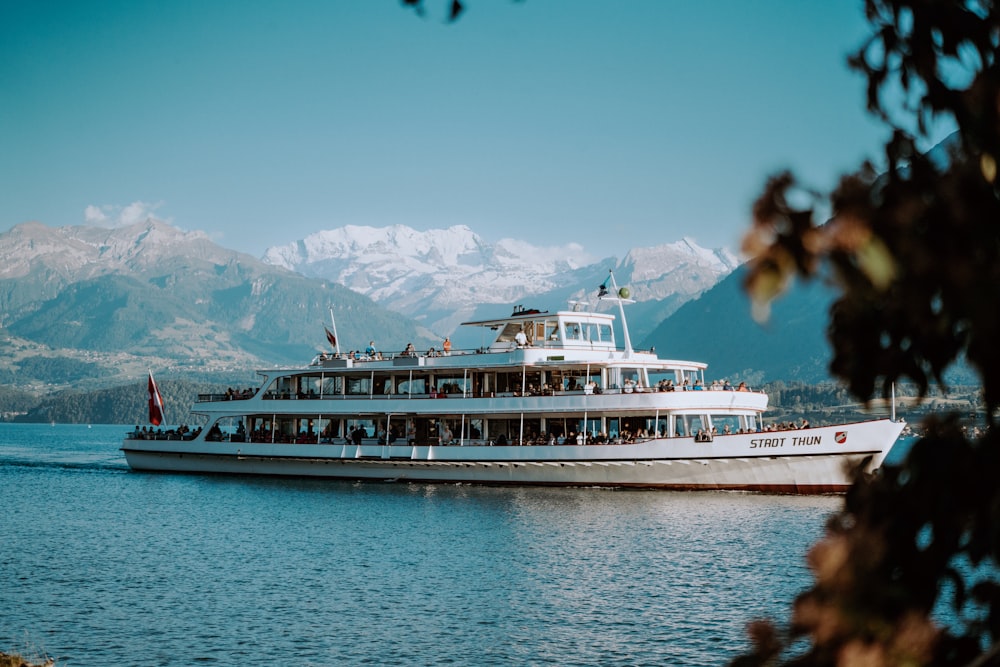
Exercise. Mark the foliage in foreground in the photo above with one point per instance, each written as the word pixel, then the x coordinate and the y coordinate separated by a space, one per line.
pixel 915 255
pixel 16 660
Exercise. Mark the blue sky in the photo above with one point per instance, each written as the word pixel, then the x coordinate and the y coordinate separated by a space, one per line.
pixel 613 125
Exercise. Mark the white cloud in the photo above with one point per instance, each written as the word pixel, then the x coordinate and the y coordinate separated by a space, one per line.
pixel 115 215
pixel 93 215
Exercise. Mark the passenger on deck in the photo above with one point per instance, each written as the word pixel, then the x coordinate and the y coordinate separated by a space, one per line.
pixel 446 347
pixel 410 351
pixel 521 339
pixel 370 350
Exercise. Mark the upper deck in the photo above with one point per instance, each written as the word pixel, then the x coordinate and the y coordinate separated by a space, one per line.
pixel 525 338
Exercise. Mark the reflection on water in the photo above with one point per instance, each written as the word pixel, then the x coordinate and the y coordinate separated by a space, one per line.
pixel 102 564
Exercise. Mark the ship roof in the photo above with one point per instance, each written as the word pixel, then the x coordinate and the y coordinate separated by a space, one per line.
pixel 532 315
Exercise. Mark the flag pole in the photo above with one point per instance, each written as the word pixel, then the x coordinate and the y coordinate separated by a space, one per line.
pixel 336 338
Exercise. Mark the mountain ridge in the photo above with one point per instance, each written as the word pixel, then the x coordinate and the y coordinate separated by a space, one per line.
pixel 441 277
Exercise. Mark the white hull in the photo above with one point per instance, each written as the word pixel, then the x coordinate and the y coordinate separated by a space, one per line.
pixel 816 460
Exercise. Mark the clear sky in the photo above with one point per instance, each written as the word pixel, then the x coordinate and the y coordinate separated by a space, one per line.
pixel 611 124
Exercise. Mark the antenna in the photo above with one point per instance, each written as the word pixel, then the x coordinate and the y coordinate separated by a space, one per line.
pixel 621 295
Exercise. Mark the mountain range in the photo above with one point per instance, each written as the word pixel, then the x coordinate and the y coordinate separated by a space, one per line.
pixel 153 296
pixel 87 307
pixel 441 277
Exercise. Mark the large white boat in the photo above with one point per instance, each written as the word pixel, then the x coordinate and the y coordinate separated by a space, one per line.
pixel 551 400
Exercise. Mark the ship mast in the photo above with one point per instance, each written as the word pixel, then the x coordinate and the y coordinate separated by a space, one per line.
pixel 621 296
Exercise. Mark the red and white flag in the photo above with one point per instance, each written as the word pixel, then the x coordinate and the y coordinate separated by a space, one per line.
pixel 155 402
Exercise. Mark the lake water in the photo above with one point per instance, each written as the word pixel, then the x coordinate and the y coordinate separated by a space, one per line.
pixel 101 565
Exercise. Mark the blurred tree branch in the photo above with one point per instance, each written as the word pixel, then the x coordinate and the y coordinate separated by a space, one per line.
pixel 915 254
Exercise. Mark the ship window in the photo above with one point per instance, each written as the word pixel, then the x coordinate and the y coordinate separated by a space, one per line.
pixel 308 386
pixel 631 376
pixel 646 427
pixel 688 425
pixel 332 386
pixel 605 334
pixel 532 431
pixel 658 376
pixel 509 331
pixel 473 429
pixel 591 428
pixel 367 424
pixel 281 388
pixel 720 424
pixel 551 331
pixel 509 382
pixel 414 386
pixel 452 385
pixel 506 430
pixel 359 386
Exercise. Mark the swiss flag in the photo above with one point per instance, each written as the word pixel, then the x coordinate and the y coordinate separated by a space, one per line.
pixel 155 402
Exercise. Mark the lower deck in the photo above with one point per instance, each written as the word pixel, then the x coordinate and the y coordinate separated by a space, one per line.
pixel 802 461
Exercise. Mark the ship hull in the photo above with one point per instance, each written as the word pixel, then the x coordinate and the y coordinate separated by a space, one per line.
pixel 803 461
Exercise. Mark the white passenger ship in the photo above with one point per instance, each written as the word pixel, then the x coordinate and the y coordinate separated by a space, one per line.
pixel 552 400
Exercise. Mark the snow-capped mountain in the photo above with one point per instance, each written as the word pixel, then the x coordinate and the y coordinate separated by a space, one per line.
pixel 165 297
pixel 440 277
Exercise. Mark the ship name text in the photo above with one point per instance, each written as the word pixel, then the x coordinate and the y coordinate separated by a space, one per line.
pixel 797 441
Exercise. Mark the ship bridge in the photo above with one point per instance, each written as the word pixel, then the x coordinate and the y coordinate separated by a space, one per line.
pixel 568 330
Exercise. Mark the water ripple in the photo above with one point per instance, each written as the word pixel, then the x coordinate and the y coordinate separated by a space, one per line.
pixel 104 566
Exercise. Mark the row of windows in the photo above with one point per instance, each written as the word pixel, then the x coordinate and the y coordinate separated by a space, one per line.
pixel 476 383
pixel 453 430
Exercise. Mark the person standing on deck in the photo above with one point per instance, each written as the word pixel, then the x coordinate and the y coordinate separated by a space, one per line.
pixel 446 346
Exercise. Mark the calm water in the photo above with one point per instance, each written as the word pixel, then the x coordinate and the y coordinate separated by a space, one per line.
pixel 100 565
